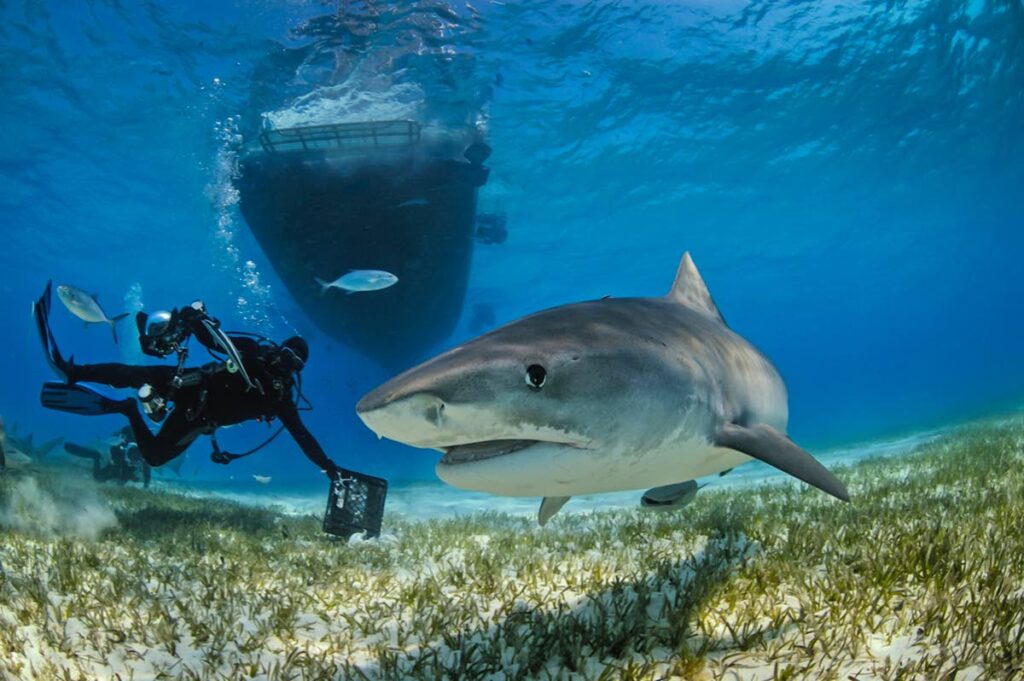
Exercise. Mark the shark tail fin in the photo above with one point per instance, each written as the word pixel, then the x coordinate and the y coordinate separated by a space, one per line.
pixel 48 446
pixel 323 285
pixel 113 324
pixel 176 464
pixel 690 290
pixel 763 442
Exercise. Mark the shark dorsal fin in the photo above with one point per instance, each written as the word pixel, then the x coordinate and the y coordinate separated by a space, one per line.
pixel 690 290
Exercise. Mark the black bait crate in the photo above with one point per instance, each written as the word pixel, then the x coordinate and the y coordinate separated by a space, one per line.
pixel 355 504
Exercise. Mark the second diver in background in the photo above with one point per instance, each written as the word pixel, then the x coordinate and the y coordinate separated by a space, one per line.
pixel 125 464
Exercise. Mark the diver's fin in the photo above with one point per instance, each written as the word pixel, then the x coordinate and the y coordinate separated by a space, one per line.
pixel 81 451
pixel 77 399
pixel 690 290
pixel 670 497
pixel 725 472
pixel 769 445
pixel 41 315
pixel 549 506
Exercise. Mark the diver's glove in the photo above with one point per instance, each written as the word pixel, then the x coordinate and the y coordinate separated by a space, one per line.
pixel 333 471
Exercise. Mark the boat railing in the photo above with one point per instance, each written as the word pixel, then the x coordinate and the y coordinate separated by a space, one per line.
pixel 359 137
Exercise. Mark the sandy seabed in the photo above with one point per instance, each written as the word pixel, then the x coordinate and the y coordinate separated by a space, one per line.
pixel 920 577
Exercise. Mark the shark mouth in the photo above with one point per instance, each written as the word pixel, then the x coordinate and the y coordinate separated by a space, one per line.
pixel 479 451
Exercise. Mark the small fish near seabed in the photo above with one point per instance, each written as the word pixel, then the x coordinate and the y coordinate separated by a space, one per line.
pixel 86 306
pixel 359 281
pixel 262 479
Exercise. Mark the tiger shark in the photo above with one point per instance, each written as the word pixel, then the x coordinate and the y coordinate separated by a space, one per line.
pixel 598 396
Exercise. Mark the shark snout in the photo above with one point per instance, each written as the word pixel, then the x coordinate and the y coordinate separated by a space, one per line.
pixel 375 399
pixel 415 419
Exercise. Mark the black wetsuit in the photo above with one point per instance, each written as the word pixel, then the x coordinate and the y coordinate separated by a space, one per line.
pixel 217 398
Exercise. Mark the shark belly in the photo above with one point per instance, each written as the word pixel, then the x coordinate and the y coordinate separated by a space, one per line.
pixel 570 471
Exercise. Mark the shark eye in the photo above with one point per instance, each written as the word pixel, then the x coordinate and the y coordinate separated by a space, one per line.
pixel 536 375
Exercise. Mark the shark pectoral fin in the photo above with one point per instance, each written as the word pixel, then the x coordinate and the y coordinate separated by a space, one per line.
pixel 766 444
pixel 549 506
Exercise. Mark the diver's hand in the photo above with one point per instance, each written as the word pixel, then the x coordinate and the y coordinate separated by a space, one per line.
pixel 333 472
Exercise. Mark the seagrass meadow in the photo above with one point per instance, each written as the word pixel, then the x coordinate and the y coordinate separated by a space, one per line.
pixel 920 577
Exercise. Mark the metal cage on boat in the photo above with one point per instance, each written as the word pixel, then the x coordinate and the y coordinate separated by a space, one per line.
pixel 354 137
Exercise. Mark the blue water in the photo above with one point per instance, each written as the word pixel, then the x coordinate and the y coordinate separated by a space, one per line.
pixel 848 177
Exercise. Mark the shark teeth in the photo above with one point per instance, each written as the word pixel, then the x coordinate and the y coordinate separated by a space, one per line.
pixel 478 451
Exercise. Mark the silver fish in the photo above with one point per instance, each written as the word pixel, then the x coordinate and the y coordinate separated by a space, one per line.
pixel 359 280
pixel 413 202
pixel 86 307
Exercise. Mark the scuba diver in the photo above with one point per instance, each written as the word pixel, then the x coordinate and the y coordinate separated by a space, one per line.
pixel 250 379
pixel 125 465
pixel 255 379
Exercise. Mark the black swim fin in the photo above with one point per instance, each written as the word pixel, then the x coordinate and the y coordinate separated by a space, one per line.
pixel 81 451
pixel 41 315
pixel 78 399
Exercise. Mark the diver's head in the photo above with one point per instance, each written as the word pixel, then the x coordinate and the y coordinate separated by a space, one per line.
pixel 158 323
pixel 295 353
